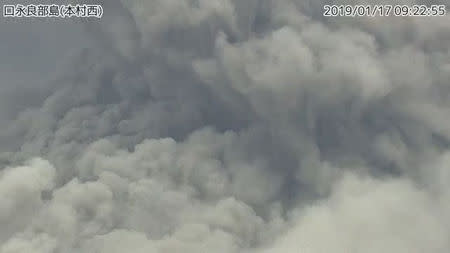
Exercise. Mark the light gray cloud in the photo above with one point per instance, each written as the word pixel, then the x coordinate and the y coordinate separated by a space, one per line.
pixel 233 126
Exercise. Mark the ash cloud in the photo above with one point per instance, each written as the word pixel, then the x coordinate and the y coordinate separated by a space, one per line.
pixel 234 126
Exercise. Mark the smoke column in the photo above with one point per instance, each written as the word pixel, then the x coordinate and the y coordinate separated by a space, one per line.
pixel 234 126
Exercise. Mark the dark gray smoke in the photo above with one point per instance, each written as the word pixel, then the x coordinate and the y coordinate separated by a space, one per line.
pixel 247 126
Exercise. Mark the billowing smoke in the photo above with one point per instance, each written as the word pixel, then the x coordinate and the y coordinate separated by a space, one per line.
pixel 247 126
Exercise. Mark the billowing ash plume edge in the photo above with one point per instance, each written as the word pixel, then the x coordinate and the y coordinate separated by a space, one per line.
pixel 236 126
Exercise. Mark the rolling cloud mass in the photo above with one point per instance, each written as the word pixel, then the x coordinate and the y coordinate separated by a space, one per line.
pixel 234 126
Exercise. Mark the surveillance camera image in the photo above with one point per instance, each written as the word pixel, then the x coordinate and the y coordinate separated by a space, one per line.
pixel 225 126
